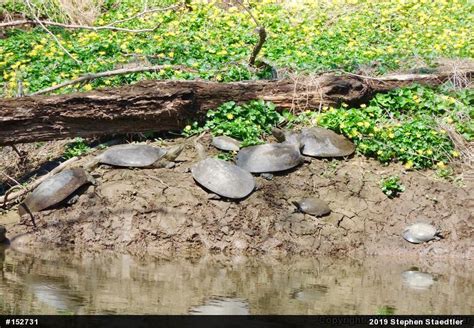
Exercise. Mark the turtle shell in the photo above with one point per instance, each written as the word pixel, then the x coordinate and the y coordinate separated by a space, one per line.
pixel 419 232
pixel 131 155
pixel 54 190
pixel 320 142
pixel 269 158
pixel 223 178
pixel 313 206
pixel 226 143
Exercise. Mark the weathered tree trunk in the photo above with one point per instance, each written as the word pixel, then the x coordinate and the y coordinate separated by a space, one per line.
pixel 169 105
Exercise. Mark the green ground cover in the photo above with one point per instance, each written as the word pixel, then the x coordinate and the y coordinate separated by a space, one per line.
pixel 212 41
pixel 216 42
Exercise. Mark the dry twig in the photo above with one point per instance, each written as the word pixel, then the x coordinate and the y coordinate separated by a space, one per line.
pixel 89 77
pixel 262 34
pixel 110 26
pixel 30 6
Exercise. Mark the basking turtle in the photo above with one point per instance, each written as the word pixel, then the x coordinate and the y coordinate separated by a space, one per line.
pixel 419 233
pixel 54 190
pixel 313 206
pixel 221 177
pixel 226 143
pixel 320 142
pixel 269 158
pixel 137 155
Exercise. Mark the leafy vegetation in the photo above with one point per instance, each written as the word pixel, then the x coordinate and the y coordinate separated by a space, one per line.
pixel 76 148
pixel 402 125
pixel 247 122
pixel 392 186
pixel 214 41
pixel 386 310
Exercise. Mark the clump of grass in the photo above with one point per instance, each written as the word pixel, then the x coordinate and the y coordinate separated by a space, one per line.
pixel 76 148
pixel 392 186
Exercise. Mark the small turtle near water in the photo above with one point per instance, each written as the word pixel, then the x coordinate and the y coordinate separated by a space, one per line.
pixel 54 190
pixel 269 158
pixel 137 155
pixel 221 177
pixel 226 143
pixel 312 206
pixel 419 233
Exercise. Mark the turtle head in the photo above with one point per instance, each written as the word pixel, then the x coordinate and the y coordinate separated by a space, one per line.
pixel 201 151
pixel 287 137
pixel 279 134
pixel 173 152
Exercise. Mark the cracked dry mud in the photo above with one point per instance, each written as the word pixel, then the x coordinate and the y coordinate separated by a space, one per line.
pixel 160 211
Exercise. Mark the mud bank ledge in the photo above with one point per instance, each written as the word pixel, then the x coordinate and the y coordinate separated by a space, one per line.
pixel 163 211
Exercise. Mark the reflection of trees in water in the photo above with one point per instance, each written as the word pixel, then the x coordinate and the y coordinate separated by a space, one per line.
pixel 53 281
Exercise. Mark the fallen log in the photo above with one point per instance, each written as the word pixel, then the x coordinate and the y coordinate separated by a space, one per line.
pixel 159 106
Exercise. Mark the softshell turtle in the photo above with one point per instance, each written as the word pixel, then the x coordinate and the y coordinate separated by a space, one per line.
pixel 54 190
pixel 226 143
pixel 419 232
pixel 137 155
pixel 320 142
pixel 312 206
pixel 221 177
pixel 269 158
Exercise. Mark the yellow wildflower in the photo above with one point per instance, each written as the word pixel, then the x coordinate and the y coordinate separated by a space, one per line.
pixel 188 127
pixel 455 153
pixel 409 165
pixel 88 87
pixel 230 116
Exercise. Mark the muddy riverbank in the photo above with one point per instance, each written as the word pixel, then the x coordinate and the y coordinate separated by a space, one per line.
pixel 159 211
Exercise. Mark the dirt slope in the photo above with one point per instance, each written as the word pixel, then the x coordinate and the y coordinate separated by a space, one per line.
pixel 159 211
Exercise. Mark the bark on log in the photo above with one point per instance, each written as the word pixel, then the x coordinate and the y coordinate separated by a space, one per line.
pixel 160 106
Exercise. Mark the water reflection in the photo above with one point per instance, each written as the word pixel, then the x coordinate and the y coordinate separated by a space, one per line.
pixel 417 280
pixel 222 306
pixel 50 282
pixel 310 294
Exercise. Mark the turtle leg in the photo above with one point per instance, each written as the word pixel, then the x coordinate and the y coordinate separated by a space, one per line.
pixel 31 214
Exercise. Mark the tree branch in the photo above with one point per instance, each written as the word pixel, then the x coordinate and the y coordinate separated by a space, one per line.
pixel 75 26
pixel 89 77
pixel 30 6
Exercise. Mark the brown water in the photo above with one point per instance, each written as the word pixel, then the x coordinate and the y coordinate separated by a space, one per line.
pixel 57 282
